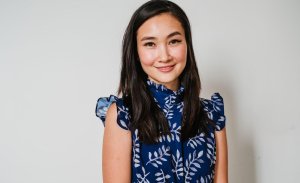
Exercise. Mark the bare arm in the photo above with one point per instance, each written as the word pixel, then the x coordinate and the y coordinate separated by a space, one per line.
pixel 221 167
pixel 116 153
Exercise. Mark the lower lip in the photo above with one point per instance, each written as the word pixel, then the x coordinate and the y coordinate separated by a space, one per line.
pixel 165 69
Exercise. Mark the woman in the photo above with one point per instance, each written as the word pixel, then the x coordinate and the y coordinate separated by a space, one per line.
pixel 159 130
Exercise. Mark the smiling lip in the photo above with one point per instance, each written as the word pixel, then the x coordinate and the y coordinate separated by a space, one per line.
pixel 166 68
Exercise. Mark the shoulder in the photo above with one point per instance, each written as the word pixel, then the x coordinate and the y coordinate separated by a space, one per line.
pixel 215 110
pixel 113 106
pixel 112 112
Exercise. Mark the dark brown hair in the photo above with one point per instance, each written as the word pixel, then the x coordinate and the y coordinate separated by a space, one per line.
pixel 145 115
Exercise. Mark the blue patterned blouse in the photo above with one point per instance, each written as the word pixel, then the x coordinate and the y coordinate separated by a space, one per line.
pixel 171 160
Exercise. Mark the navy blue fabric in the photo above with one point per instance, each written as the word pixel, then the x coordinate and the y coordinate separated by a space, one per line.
pixel 171 160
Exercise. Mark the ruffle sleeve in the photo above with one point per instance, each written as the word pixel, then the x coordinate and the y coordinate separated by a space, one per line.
pixel 102 106
pixel 215 110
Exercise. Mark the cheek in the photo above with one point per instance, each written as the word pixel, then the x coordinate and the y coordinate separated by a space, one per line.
pixel 146 57
pixel 180 53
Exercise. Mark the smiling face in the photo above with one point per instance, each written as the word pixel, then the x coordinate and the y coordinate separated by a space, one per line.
pixel 162 49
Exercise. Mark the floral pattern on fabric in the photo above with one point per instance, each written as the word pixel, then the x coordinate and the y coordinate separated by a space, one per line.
pixel 171 160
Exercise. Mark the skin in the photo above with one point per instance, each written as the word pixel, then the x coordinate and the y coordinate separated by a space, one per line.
pixel 221 166
pixel 116 155
pixel 162 51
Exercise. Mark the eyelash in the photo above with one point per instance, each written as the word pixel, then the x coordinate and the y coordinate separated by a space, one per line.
pixel 174 41
pixel 149 44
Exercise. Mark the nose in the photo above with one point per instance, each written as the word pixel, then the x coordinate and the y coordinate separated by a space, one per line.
pixel 164 54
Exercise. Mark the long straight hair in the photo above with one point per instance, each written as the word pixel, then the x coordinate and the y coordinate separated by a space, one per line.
pixel 145 115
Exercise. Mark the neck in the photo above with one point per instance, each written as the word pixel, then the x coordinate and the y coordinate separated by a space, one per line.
pixel 173 85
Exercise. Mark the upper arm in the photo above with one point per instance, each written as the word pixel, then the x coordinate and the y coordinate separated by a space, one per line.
pixel 221 166
pixel 116 153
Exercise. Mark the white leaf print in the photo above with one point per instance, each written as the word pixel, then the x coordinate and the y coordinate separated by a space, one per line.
pixel 177 153
pixel 221 119
pixel 217 108
pixel 197 165
pixel 158 174
pixel 195 141
pixel 191 174
pixel 158 157
pixel 123 123
pixel 211 153
pixel 202 180
pixel 159 151
pixel 161 177
pixel 142 178
pixel 136 150
pixel 168 138
pixel 178 165
pixel 200 153
pixel 192 162
pixel 174 125
pixel 194 169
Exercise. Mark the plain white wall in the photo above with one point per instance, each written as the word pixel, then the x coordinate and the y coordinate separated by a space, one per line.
pixel 58 56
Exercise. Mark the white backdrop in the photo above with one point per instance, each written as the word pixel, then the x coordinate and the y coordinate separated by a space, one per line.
pixel 58 56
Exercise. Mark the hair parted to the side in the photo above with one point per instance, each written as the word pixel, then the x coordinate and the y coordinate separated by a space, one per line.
pixel 145 115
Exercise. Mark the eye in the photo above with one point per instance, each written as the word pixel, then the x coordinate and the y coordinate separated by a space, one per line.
pixel 174 42
pixel 149 44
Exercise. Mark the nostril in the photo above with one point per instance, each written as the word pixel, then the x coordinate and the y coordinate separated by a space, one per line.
pixel 164 54
pixel 165 58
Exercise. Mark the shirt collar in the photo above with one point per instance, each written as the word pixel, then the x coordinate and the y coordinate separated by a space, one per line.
pixel 161 92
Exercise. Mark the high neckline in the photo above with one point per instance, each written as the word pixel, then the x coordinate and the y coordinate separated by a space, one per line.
pixel 163 88
pixel 160 92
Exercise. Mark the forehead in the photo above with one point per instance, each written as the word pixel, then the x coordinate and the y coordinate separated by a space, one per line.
pixel 160 25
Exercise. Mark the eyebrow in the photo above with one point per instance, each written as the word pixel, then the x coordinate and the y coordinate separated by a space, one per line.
pixel 152 38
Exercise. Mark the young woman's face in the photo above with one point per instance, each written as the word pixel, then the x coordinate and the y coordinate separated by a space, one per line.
pixel 162 49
